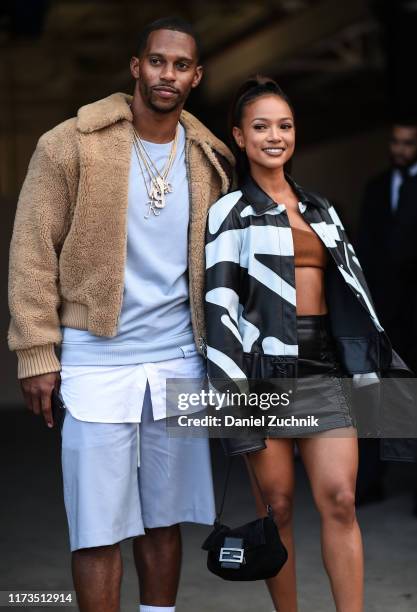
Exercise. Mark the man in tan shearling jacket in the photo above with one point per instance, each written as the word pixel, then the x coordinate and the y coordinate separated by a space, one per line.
pixel 67 272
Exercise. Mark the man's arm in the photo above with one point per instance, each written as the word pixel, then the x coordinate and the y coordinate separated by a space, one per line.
pixel 41 223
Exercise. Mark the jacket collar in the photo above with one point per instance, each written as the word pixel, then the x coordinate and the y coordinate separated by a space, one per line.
pixel 262 202
pixel 114 108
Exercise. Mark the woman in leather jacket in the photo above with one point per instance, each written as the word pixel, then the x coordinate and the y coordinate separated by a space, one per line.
pixel 286 297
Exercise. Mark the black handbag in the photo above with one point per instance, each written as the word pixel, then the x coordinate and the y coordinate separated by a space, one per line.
pixel 253 551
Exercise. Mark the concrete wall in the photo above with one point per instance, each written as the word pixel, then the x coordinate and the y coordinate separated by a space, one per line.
pixel 339 169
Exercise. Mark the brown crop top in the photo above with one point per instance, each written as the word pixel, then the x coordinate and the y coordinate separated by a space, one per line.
pixel 308 249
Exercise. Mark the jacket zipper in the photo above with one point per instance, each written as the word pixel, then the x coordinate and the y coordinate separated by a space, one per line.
pixel 286 223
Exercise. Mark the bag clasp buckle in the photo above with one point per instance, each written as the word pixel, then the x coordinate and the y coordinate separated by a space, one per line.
pixel 231 555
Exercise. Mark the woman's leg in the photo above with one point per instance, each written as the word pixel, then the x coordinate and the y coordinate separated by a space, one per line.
pixel 331 462
pixel 274 472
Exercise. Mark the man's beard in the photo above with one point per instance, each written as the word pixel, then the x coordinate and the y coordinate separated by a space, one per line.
pixel 164 110
pixel 403 164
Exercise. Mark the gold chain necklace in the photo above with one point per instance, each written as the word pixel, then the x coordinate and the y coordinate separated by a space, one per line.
pixel 158 183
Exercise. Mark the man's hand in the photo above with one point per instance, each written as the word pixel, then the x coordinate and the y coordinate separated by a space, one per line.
pixel 37 391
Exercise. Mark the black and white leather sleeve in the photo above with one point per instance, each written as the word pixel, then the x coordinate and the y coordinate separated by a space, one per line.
pixel 224 236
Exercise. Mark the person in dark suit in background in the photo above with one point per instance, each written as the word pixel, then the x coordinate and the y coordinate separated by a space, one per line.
pixel 387 248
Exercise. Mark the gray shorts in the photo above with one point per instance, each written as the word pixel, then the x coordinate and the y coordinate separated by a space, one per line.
pixel 109 498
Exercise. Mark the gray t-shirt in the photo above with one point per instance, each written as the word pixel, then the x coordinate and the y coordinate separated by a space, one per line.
pixel 155 318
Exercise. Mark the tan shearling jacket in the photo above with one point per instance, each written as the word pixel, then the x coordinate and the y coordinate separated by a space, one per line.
pixel 68 249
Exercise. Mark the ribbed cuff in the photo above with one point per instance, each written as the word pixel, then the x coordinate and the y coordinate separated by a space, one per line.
pixel 37 360
pixel 74 315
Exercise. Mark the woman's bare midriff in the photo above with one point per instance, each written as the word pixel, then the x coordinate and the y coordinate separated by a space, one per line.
pixel 309 286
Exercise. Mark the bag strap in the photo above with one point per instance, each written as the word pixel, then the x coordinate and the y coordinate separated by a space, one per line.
pixel 267 506
pixel 226 484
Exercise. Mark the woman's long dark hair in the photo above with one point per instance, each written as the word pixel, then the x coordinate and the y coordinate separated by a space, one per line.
pixel 252 88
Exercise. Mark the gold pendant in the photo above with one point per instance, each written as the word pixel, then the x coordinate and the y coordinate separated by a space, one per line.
pixel 157 196
pixel 151 208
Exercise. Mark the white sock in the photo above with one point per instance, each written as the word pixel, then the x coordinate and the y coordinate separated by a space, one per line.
pixel 143 608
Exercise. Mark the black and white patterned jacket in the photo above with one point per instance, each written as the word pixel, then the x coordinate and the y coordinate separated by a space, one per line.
pixel 250 298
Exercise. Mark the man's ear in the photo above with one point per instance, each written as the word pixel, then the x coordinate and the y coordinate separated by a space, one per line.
pixel 198 76
pixel 134 67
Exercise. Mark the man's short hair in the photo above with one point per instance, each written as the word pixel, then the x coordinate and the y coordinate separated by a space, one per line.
pixel 176 24
pixel 410 122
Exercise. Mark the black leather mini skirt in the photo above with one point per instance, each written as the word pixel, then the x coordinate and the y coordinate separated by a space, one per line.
pixel 321 398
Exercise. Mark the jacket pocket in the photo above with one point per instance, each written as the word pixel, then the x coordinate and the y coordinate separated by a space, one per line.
pixel 260 366
pixel 359 355
pixel 270 373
